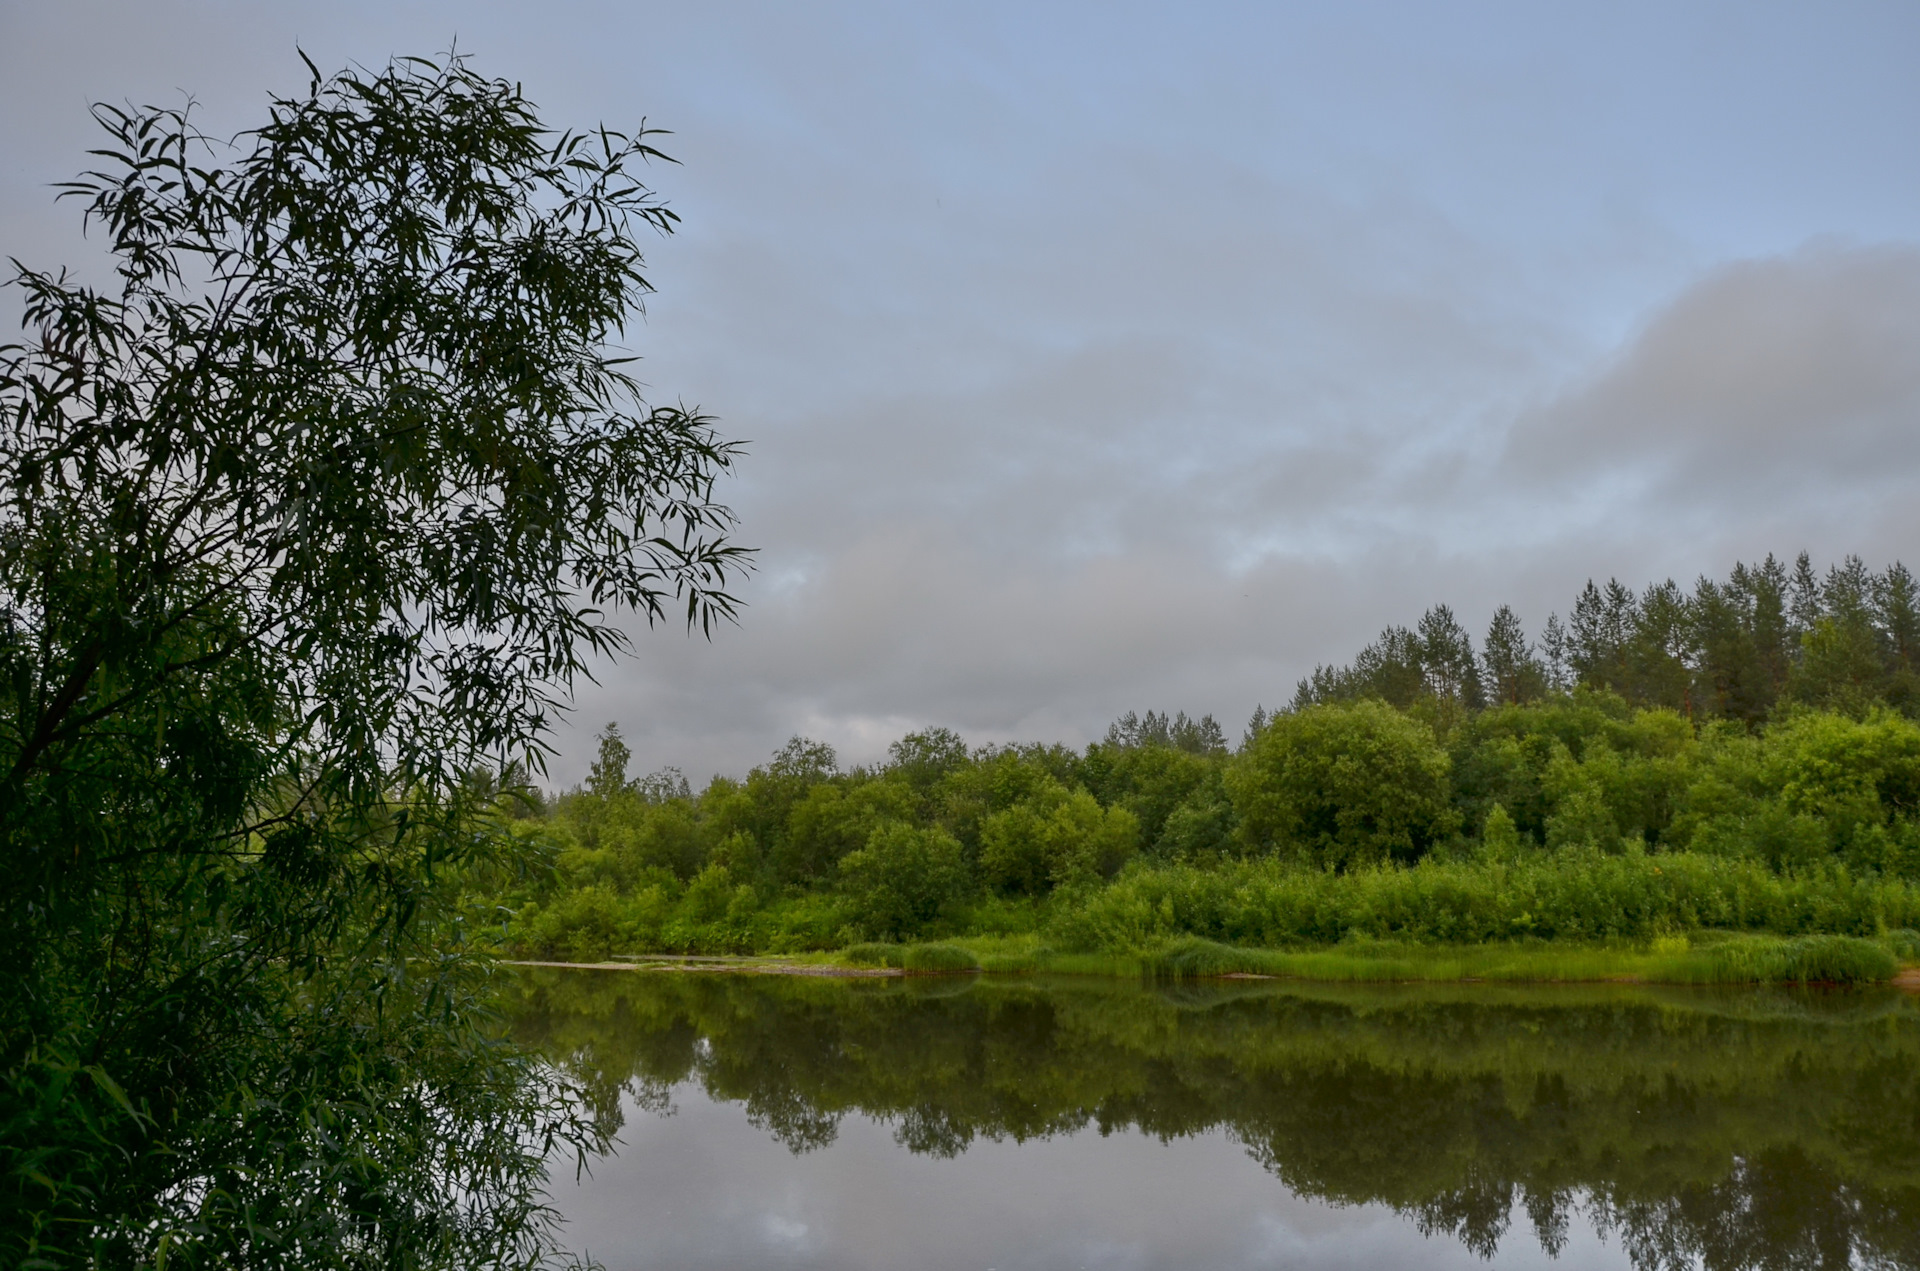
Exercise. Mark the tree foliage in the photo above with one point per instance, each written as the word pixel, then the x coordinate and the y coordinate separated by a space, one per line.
pixel 1755 734
pixel 904 876
pixel 1764 638
pixel 325 502
pixel 1343 786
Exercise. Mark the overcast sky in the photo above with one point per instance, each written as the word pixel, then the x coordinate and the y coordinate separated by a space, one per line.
pixel 1109 357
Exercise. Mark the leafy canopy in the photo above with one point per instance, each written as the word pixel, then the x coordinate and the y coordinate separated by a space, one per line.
pixel 328 499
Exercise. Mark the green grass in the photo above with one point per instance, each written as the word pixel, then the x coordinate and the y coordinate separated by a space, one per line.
pixel 945 959
pixel 925 959
pixel 1743 959
pixel 892 955
pixel 1709 957
pixel 1666 918
pixel 1574 897
pixel 1704 957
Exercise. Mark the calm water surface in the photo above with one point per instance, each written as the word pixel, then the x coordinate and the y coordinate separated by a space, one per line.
pixel 1014 1124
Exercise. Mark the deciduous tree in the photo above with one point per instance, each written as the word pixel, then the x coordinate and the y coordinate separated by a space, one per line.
pixel 324 503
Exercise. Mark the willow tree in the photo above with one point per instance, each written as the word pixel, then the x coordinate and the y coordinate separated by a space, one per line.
pixel 325 501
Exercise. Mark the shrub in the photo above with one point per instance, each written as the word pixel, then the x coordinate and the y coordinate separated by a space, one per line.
pixel 1199 829
pixel 1194 958
pixel 874 954
pixel 902 879
pixel 1343 785
pixel 1838 960
pixel 581 926
pixel 1852 774
pixel 709 896
pixel 1582 896
pixel 938 959
pixel 1500 839
pixel 1816 959
pixel 1053 838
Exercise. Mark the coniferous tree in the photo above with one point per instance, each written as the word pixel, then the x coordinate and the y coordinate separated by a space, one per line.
pixel 1765 592
pixel 1600 633
pixel 1659 671
pixel 1201 736
pixel 1804 607
pixel 1588 650
pixel 1729 650
pixel 1513 673
pixel 1897 605
pixel 1730 680
pixel 1256 724
pixel 1392 669
pixel 1452 672
pixel 1554 654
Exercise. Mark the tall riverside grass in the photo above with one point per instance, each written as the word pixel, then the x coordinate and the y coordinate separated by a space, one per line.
pixel 1734 959
pixel 938 959
pixel 1568 897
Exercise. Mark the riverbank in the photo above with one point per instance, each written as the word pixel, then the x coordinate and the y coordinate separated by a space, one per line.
pixel 1703 958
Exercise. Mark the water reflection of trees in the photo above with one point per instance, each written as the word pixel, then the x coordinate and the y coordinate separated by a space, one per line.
pixel 1716 1130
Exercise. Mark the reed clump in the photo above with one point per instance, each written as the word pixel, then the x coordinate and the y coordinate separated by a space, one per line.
pixel 922 959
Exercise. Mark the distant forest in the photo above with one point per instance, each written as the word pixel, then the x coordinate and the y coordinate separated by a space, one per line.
pixel 1743 757
pixel 1730 650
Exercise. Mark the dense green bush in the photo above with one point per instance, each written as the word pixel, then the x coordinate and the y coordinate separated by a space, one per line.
pixel 1837 960
pixel 903 878
pixel 1192 958
pixel 942 959
pixel 1343 785
pixel 1054 837
pixel 1201 828
pixel 875 953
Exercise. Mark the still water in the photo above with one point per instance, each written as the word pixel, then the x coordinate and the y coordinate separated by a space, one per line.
pixel 1014 1124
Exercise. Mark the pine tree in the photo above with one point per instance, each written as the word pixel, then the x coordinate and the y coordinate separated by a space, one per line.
pixel 1591 648
pixel 1256 724
pixel 1661 649
pixel 1897 610
pixel 1513 672
pixel 1772 627
pixel 1554 653
pixel 1804 607
pixel 1452 672
pixel 1730 679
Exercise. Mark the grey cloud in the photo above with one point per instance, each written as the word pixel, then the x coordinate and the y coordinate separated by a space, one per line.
pixel 1104 363
pixel 1215 585
pixel 914 626
pixel 1780 377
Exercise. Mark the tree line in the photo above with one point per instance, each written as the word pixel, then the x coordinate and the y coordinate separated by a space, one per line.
pixel 1734 649
pixel 1506 764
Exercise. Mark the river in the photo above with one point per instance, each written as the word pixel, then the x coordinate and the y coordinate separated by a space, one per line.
pixel 1020 1124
